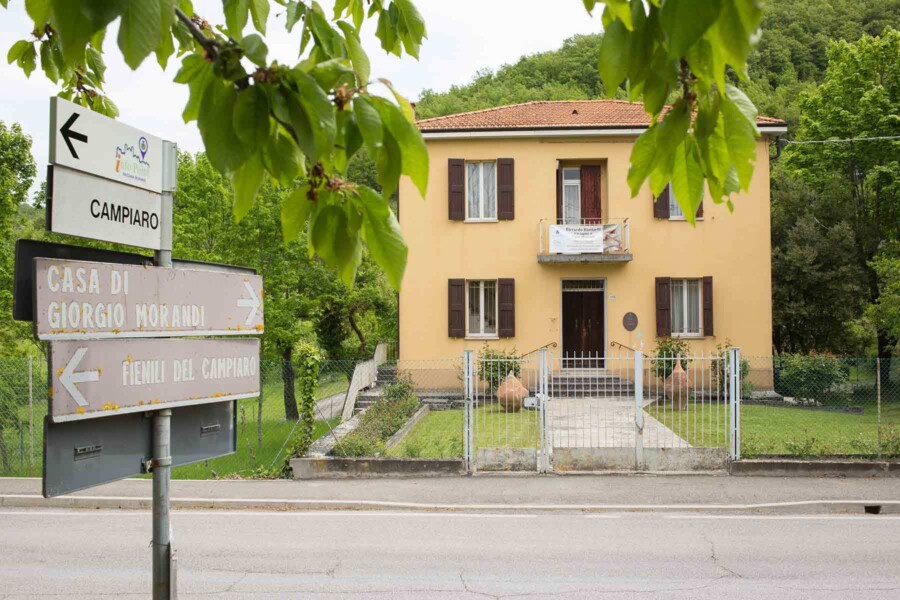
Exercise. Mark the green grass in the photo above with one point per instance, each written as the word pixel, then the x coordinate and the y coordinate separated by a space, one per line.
pixel 772 430
pixel 440 433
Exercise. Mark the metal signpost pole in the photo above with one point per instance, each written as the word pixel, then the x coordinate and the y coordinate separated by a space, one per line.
pixel 163 556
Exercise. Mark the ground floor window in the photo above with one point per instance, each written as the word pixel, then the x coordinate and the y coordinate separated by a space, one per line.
pixel 687 307
pixel 481 297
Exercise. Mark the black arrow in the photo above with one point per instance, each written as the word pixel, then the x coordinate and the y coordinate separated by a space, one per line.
pixel 69 135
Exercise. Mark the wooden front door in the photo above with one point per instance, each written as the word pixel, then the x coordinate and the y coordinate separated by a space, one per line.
pixel 582 335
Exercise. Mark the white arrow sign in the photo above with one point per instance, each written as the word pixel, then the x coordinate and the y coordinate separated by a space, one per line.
pixel 69 377
pixel 87 141
pixel 252 303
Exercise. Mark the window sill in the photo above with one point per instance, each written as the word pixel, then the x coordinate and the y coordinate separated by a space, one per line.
pixel 481 221
pixel 688 336
pixel 482 337
pixel 683 219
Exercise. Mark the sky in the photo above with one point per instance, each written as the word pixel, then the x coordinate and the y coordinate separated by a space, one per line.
pixel 463 37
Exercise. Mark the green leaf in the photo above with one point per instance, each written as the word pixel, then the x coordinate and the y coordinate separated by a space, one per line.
pixel 740 132
pixel 259 11
pixel 295 212
pixel 358 56
pixel 333 240
pixel 48 63
pixel 388 163
pixel 38 10
pixel 27 61
pixel 369 123
pixel 414 161
pixel 613 62
pixel 734 33
pixel 319 111
pixel 642 159
pixel 94 61
pixel 251 117
pixel 198 75
pixel 223 148
pixel 166 46
pixel 687 179
pixel 255 49
pixel 621 10
pixel 17 50
pixel 331 73
pixel 235 16
pixel 685 22
pixel 405 107
pixel 77 26
pixel 282 159
pixel 295 12
pixel 245 182
pixel 139 30
pixel 382 235
pixel 411 26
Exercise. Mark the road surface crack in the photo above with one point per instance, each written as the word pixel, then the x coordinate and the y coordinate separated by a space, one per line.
pixel 468 590
pixel 715 559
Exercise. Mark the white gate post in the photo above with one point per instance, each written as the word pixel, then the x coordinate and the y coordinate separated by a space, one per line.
pixel 468 450
pixel 638 410
pixel 734 397
pixel 544 456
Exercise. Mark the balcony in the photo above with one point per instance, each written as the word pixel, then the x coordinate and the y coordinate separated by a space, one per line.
pixel 585 241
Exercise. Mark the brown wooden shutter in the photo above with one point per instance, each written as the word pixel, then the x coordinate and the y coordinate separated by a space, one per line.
pixel 590 193
pixel 506 301
pixel 708 329
pixel 506 199
pixel 456 308
pixel 456 175
pixel 699 214
pixel 559 207
pixel 661 205
pixel 663 306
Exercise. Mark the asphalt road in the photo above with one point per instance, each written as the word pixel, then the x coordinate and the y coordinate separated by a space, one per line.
pixel 243 554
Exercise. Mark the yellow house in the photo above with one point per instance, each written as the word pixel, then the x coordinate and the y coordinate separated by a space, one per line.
pixel 529 237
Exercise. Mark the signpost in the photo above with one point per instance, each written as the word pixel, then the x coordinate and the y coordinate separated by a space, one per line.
pixel 92 379
pixel 81 300
pixel 121 406
pixel 105 179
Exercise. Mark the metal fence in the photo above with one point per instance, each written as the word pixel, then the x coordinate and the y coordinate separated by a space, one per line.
pixel 820 405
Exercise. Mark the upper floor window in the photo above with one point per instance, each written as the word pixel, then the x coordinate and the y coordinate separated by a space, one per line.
pixel 481 315
pixel 675 212
pixel 481 191
pixel 571 196
pixel 687 307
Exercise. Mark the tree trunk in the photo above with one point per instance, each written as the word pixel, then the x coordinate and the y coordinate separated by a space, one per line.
pixel 351 316
pixel 290 397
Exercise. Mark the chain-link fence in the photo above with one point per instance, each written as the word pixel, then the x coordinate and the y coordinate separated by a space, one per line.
pixel 819 405
pixel 264 424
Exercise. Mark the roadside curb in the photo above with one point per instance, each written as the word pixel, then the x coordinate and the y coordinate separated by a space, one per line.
pixel 134 503
pixel 815 468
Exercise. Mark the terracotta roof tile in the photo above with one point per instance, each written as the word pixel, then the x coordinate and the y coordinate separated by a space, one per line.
pixel 552 114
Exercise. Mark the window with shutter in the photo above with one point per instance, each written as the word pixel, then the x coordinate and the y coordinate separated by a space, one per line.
pixel 506 201
pixel 456 308
pixel 507 305
pixel 456 198
pixel 661 205
pixel 663 306
pixel 675 212
pixel 708 330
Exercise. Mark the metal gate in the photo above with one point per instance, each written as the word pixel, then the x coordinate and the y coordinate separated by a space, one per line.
pixel 622 411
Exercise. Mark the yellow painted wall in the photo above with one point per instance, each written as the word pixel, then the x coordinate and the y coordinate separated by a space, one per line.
pixel 734 248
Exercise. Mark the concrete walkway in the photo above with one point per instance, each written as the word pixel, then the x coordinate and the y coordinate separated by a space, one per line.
pixel 582 492
pixel 604 423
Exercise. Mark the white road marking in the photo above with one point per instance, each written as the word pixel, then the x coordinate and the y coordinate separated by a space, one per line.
pixel 787 517
pixel 274 513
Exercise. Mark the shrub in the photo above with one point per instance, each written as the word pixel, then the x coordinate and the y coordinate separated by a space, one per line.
pixel 719 366
pixel 382 420
pixel 494 365
pixel 812 377
pixel 667 350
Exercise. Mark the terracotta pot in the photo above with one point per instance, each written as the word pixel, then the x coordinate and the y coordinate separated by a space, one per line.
pixel 677 387
pixel 511 393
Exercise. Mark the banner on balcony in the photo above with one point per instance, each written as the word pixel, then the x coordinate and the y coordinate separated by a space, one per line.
pixel 578 239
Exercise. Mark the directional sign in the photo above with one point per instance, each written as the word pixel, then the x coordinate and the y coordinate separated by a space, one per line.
pixel 86 300
pixel 101 209
pixel 102 378
pixel 89 142
pixel 82 454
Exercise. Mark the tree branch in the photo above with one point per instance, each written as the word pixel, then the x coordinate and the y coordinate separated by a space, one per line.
pixel 209 44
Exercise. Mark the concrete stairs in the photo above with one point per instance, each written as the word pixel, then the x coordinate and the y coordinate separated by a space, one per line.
pixel 588 385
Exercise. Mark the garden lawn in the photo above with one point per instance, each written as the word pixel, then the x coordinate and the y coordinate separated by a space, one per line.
pixel 440 433
pixel 772 430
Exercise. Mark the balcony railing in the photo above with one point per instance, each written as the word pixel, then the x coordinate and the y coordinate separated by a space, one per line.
pixel 587 240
